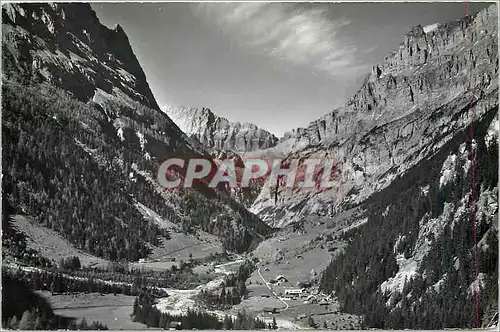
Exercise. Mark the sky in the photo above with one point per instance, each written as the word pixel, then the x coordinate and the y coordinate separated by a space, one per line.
pixel 277 65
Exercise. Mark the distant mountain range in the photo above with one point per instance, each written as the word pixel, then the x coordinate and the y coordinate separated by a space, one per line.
pixel 218 132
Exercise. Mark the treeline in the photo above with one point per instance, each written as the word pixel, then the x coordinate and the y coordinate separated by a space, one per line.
pixel 23 309
pixel 227 297
pixel 70 263
pixel 439 295
pixel 145 312
pixel 176 277
pixel 114 279
pixel 233 288
pixel 57 282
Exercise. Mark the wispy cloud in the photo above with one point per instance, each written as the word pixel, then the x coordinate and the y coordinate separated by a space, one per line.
pixel 303 35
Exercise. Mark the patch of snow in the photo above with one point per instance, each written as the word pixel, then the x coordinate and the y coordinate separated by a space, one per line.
pixel 126 76
pixel 478 284
pixel 132 177
pixel 48 22
pixel 437 285
pixel 87 35
pixel 142 140
pixel 120 134
pixel 463 149
pixel 492 134
pixel 456 263
pixel 21 11
pixel 425 190
pixel 448 171
pixel 179 301
pixel 355 225
pixel 430 27
pixel 466 166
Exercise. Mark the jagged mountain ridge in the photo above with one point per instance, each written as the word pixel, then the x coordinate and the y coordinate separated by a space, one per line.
pixel 77 107
pixel 219 133
pixel 409 106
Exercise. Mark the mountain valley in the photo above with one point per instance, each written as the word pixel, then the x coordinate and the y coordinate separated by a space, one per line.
pixel 406 240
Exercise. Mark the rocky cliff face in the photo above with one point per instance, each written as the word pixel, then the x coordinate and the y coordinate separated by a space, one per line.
pixel 417 149
pixel 83 136
pixel 219 133
pixel 410 105
pixel 66 46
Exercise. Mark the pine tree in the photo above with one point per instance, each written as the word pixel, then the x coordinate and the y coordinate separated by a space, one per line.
pixel 162 322
pixel 227 323
pixel 275 325
pixel 83 324
pixel 38 324
pixel 311 323
pixel 27 321
pixel 222 297
pixel 13 323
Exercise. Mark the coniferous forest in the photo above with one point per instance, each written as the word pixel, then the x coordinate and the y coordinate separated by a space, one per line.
pixel 52 176
pixel 146 312
pixel 24 310
pixel 449 263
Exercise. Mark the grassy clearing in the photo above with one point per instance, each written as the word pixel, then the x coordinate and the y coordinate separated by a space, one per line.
pixel 181 246
pixel 50 244
pixel 112 310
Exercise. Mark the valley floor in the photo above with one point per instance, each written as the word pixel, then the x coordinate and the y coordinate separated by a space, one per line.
pixel 296 255
pixel 112 310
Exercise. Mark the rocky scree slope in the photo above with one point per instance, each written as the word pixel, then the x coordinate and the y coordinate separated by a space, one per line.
pixel 410 106
pixel 82 136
